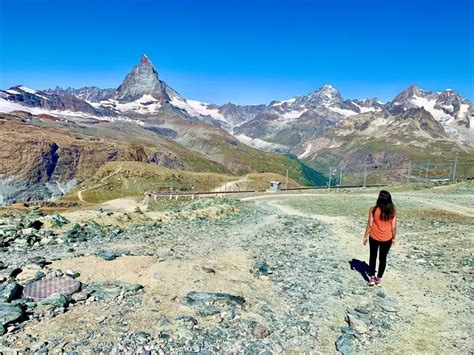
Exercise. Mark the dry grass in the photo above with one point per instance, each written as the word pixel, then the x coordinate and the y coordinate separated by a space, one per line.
pixel 120 179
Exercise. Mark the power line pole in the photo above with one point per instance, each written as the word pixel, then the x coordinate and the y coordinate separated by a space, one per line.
pixel 340 176
pixel 409 172
pixel 449 171
pixel 427 169
pixel 455 166
pixel 330 175
pixel 419 174
pixel 286 180
pixel 365 175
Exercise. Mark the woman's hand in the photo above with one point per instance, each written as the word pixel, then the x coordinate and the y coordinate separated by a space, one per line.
pixel 394 241
pixel 368 228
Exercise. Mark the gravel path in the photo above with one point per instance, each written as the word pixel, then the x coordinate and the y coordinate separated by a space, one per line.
pixel 280 275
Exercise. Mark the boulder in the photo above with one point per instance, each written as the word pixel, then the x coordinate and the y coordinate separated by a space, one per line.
pixel 54 300
pixel 38 260
pixel 9 313
pixel 344 345
pixel 107 255
pixel 194 297
pixel 9 290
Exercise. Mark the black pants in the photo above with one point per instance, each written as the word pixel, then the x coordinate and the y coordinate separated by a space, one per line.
pixel 374 247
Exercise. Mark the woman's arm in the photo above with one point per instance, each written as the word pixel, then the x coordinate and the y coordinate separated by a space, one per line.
pixel 369 226
pixel 394 229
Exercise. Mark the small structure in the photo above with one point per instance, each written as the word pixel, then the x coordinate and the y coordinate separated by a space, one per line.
pixel 275 186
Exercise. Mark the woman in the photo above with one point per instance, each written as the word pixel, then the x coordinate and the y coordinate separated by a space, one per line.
pixel 381 232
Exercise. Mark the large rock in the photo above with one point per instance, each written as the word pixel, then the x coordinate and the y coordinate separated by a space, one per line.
pixel 9 313
pixel 210 297
pixel 8 291
pixel 105 291
pixel 107 255
pixel 37 260
pixel 344 345
pixel 358 324
pixel 54 300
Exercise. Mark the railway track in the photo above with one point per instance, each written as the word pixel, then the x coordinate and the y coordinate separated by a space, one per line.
pixel 214 193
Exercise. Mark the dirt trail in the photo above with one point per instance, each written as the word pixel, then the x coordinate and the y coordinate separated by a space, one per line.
pixel 79 193
pixel 416 308
pixel 126 204
pixel 231 185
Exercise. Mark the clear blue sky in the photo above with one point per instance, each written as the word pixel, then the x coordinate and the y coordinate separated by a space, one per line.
pixel 245 51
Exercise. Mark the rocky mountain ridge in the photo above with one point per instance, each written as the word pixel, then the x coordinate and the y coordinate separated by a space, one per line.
pixel 290 122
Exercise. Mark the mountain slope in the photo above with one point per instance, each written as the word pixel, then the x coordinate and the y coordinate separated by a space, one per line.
pixel 388 143
pixel 42 157
pixel 452 111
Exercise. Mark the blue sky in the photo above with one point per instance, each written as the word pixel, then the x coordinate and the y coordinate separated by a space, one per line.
pixel 240 50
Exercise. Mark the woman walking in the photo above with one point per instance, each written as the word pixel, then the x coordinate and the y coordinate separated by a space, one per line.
pixel 380 232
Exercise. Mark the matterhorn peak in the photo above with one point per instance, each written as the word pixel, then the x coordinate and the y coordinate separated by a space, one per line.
pixel 142 80
pixel 145 60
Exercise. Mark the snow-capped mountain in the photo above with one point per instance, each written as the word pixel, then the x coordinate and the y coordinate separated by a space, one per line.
pixel 143 80
pixel 452 111
pixel 88 93
pixel 294 121
pixel 22 98
pixel 325 98
pixel 141 94
pixel 288 124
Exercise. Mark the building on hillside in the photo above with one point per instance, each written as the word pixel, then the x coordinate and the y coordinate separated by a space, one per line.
pixel 275 186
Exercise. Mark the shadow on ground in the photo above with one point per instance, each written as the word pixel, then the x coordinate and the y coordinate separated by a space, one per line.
pixel 361 266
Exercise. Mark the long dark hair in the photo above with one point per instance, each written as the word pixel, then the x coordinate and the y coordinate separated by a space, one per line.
pixel 387 208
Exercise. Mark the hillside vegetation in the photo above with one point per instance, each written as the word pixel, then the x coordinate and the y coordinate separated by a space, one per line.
pixel 124 178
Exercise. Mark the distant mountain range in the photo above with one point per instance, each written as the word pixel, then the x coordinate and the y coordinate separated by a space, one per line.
pixel 320 128
pixel 290 123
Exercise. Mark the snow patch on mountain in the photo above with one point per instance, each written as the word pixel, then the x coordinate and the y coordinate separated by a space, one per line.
pixel 28 90
pixel 260 144
pixel 463 110
pixel 197 108
pixel 342 111
pixel 293 114
pixel 429 105
pixel 146 104
pixel 364 109
pixel 306 152
pixel 279 103
pixel 8 106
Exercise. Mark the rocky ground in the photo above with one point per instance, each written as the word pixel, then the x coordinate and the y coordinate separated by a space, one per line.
pixel 272 273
